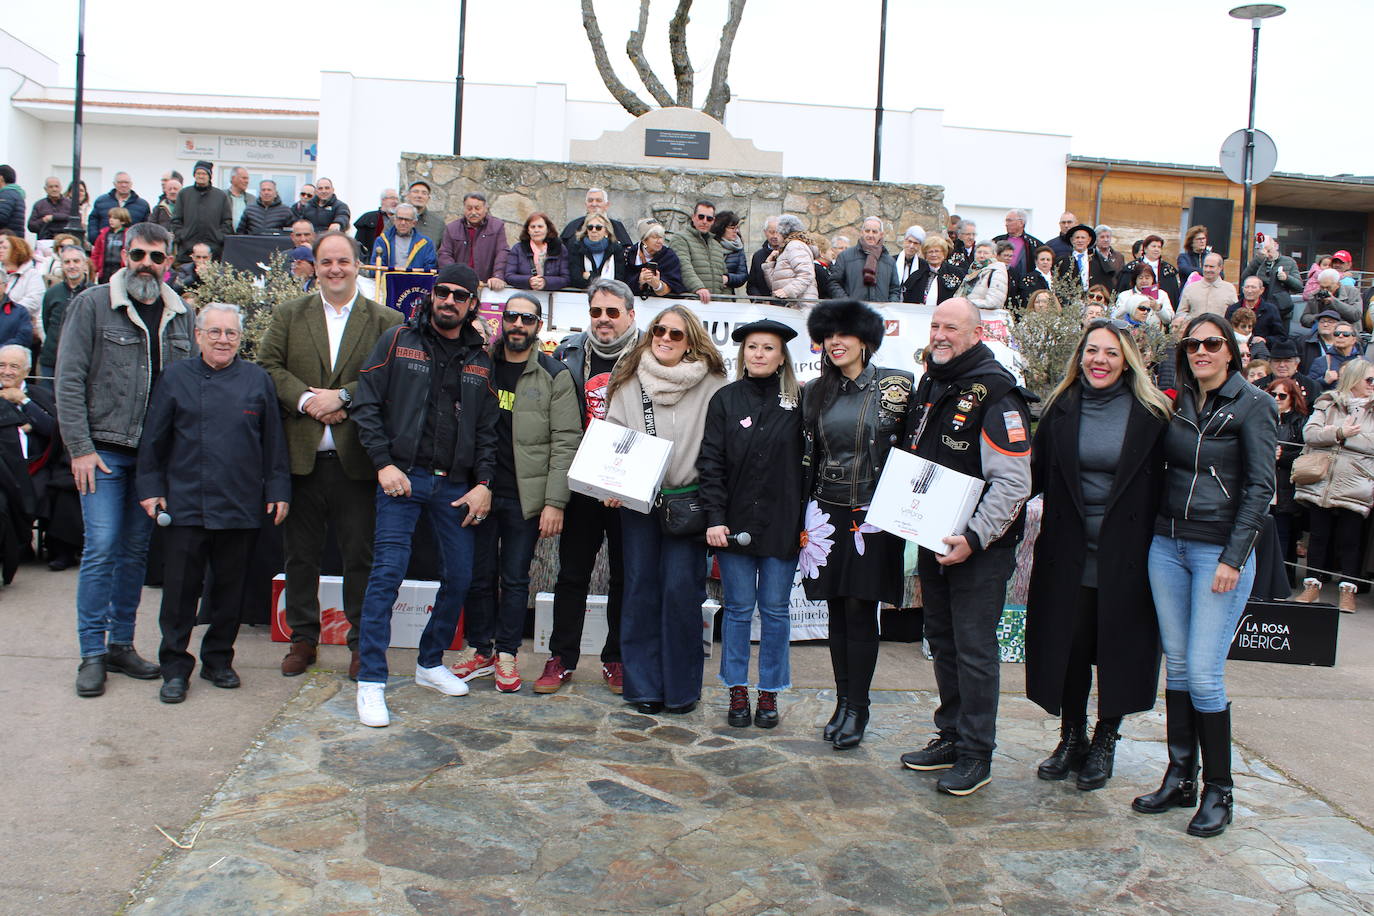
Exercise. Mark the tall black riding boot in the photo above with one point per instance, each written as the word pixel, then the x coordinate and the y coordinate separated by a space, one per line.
pixel 1179 788
pixel 1069 754
pixel 1214 728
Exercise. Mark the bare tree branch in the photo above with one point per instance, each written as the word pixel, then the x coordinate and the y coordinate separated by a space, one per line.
pixel 677 46
pixel 622 94
pixel 634 48
pixel 719 96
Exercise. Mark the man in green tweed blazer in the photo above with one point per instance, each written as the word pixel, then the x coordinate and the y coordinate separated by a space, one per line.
pixel 313 351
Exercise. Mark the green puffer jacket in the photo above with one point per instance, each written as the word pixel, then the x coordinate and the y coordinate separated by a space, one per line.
pixel 547 423
pixel 703 261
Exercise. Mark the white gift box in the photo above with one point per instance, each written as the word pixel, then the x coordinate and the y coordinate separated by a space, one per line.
pixel 614 462
pixel 594 624
pixel 922 501
pixel 409 615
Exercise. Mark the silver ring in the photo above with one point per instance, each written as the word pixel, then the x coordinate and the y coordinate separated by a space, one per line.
pixel 481 518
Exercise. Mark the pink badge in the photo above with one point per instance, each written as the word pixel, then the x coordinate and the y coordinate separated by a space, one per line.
pixel 747 422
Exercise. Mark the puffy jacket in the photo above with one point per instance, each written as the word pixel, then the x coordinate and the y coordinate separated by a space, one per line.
pixel 871 410
pixel 1220 467
pixel 1350 484
pixel 138 208
pixel 736 268
pixel 16 325
pixel 986 287
pixel 261 219
pixel 395 397
pixel 580 274
pixel 12 209
pixel 547 427
pixel 519 267
pixel 322 214
pixel 421 256
pixel 791 273
pixel 201 215
pixel 703 261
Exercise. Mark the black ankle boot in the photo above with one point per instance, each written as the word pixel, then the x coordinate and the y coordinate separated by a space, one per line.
pixel 851 729
pixel 767 714
pixel 1097 766
pixel 828 733
pixel 1068 754
pixel 1179 788
pixel 1214 730
pixel 739 715
pixel 122 658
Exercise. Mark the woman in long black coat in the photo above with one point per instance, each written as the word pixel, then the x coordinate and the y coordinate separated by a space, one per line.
pixel 1098 459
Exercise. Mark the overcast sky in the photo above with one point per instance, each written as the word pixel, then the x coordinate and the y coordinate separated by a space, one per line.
pixel 1165 80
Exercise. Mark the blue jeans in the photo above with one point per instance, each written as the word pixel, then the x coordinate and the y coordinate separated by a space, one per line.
pixel 766 581
pixel 397 517
pixel 1196 625
pixel 505 549
pixel 115 560
pixel 660 624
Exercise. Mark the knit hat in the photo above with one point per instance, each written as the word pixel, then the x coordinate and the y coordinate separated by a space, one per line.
pixel 202 164
pixel 846 316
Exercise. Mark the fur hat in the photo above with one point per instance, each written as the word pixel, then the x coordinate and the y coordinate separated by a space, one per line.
pixel 846 316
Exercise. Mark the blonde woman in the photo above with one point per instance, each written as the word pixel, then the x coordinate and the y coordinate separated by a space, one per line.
pixel 662 387
pixel 985 284
pixel 936 279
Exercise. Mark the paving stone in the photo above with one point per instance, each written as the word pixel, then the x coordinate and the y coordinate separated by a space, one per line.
pixel 450 835
pixel 669 780
pixel 674 734
pixel 622 797
pixel 715 742
pixel 737 761
pixel 234 885
pixel 792 782
pixel 632 737
pixel 431 902
pixel 373 756
pixel 893 876
pixel 326 832
pixel 631 720
pixel 515 763
pixel 564 715
pixel 471 739
pixel 600 750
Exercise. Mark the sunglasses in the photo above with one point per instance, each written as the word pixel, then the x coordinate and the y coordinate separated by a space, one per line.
pixel 1097 297
pixel 457 293
pixel 596 227
pixel 138 254
pixel 1211 344
pixel 1280 395
pixel 305 194
pixel 705 217
pixel 674 334
pixel 1334 334
pixel 526 318
pixel 611 312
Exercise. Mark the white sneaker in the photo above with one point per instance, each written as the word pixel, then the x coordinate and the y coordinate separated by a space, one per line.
pixel 441 679
pixel 372 709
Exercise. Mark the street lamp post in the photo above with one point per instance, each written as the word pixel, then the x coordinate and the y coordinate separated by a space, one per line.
pixel 1256 13
pixel 74 224
pixel 878 109
pixel 458 92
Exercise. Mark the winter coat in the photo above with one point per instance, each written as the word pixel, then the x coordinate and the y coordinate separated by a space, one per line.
pixel 669 269
pixel 1268 272
pixel 489 248
pixel 261 219
pixel 703 261
pixel 1350 482
pixel 420 257
pixel 55 302
pixel 1127 649
pixel 1330 359
pixel 103 271
pixel 827 287
pixel 518 270
pixel 1167 280
pixel 25 287
pixel 1027 259
pixel 947 282
pixel 736 268
pixel 757 284
pixel 1290 447
pixel 849 270
pixel 1346 301
pixel 12 209
pixel 322 214
pixel 16 325
pixel 581 273
pixel 201 215
pixel 792 273
pixel 1190 263
pixel 987 289
pixel 60 212
pixel 546 426
pixel 138 208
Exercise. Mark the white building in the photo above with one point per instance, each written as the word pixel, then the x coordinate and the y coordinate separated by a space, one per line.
pixel 356 130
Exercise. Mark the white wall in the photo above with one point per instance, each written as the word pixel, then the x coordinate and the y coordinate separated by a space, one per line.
pixel 20 136
pixel 990 170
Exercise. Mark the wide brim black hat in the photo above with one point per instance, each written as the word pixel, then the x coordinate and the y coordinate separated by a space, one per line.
pixel 1092 235
pixel 846 316
pixel 763 325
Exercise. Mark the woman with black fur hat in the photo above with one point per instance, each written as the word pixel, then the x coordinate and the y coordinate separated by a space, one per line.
pixel 852 416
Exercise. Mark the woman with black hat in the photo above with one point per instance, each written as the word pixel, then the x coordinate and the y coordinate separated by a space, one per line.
pixel 853 415
pixel 750 468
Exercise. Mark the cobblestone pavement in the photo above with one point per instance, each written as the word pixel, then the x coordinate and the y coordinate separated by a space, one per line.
pixel 574 803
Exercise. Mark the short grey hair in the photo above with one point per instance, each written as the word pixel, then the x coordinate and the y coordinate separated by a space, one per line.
pixel 985 243
pixel 1102 228
pixel 1018 213
pixel 917 232
pixel 840 238
pixel 238 168
pixel 474 195
pixel 601 191
pixel 877 219
pixel 965 224
pixel 149 234
pixel 388 192
pixel 788 224
pixel 414 210
pixel 22 351
pixel 219 307
pixel 615 288
pixel 1329 275
pixel 771 219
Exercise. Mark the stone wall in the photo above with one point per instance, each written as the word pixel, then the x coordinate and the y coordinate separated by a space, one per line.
pixel 516 188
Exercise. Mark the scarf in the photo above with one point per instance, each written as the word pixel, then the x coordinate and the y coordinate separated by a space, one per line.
pixel 667 384
pixel 597 247
pixel 871 262
pixel 728 245
pixel 955 368
pixel 611 351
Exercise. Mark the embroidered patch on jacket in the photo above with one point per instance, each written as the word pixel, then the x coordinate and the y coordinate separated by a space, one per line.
pixel 412 353
pixel 1016 428
pixel 894 390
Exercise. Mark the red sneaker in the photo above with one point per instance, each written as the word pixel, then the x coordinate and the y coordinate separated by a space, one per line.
pixel 472 663
pixel 553 677
pixel 614 673
pixel 507 673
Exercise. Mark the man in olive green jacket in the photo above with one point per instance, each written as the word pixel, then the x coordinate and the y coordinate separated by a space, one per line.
pixel 538 429
pixel 702 255
pixel 313 351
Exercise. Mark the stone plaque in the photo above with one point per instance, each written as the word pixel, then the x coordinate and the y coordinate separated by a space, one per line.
pixel 677 144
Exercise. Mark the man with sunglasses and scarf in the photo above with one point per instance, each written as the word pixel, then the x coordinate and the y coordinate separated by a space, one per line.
pixel 590 357
pixel 116 340
pixel 426 413
pixel 538 428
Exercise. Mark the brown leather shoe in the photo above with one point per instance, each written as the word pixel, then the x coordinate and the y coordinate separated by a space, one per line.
pixel 355 662
pixel 299 659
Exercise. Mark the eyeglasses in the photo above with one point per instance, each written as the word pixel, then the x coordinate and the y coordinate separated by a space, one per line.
pixel 305 194
pixel 225 333
pixel 403 219
pixel 1211 344
pixel 1280 395
pixel 456 293
pixel 1342 333
pixel 676 335
pixel 526 318
pixel 611 312
pixel 1097 297
pixel 138 254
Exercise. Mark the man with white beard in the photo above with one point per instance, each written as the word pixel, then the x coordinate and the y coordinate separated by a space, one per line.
pixel 116 340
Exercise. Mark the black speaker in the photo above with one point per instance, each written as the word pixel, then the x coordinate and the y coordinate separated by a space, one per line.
pixel 1214 213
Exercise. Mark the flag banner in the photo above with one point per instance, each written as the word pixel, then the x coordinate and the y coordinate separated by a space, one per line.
pixel 404 290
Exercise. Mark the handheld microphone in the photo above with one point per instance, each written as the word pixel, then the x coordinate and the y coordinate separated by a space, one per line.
pixel 743 539
pixel 163 519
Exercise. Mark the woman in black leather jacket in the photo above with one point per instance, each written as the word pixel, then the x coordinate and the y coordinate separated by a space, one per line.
pixel 1219 449
pixel 852 415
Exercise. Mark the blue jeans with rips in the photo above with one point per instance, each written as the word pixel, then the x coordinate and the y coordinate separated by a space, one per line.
pixel 114 563
pixel 766 582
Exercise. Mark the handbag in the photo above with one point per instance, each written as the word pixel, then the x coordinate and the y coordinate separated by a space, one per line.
pixel 1312 467
pixel 680 513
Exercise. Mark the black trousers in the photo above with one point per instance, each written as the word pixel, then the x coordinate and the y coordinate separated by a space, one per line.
pixel 585 523
pixel 188 551
pixel 1334 540
pixel 963 604
pixel 853 647
pixel 323 499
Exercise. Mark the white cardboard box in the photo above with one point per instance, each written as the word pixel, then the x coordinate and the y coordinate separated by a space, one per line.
pixel 923 501
pixel 409 615
pixel 594 626
pixel 620 463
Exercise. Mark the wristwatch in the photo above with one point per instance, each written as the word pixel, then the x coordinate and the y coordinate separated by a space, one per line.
pixel 344 397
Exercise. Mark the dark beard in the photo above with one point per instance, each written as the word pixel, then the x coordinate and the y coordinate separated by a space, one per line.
pixel 517 346
pixel 142 287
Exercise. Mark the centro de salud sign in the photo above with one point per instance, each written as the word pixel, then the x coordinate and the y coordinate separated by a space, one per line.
pixel 677 144
pixel 245 150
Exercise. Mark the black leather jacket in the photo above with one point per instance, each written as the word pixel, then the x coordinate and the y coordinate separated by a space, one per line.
pixel 847 440
pixel 1219 467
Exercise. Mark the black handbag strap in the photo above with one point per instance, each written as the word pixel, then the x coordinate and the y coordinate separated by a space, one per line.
pixel 648 412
